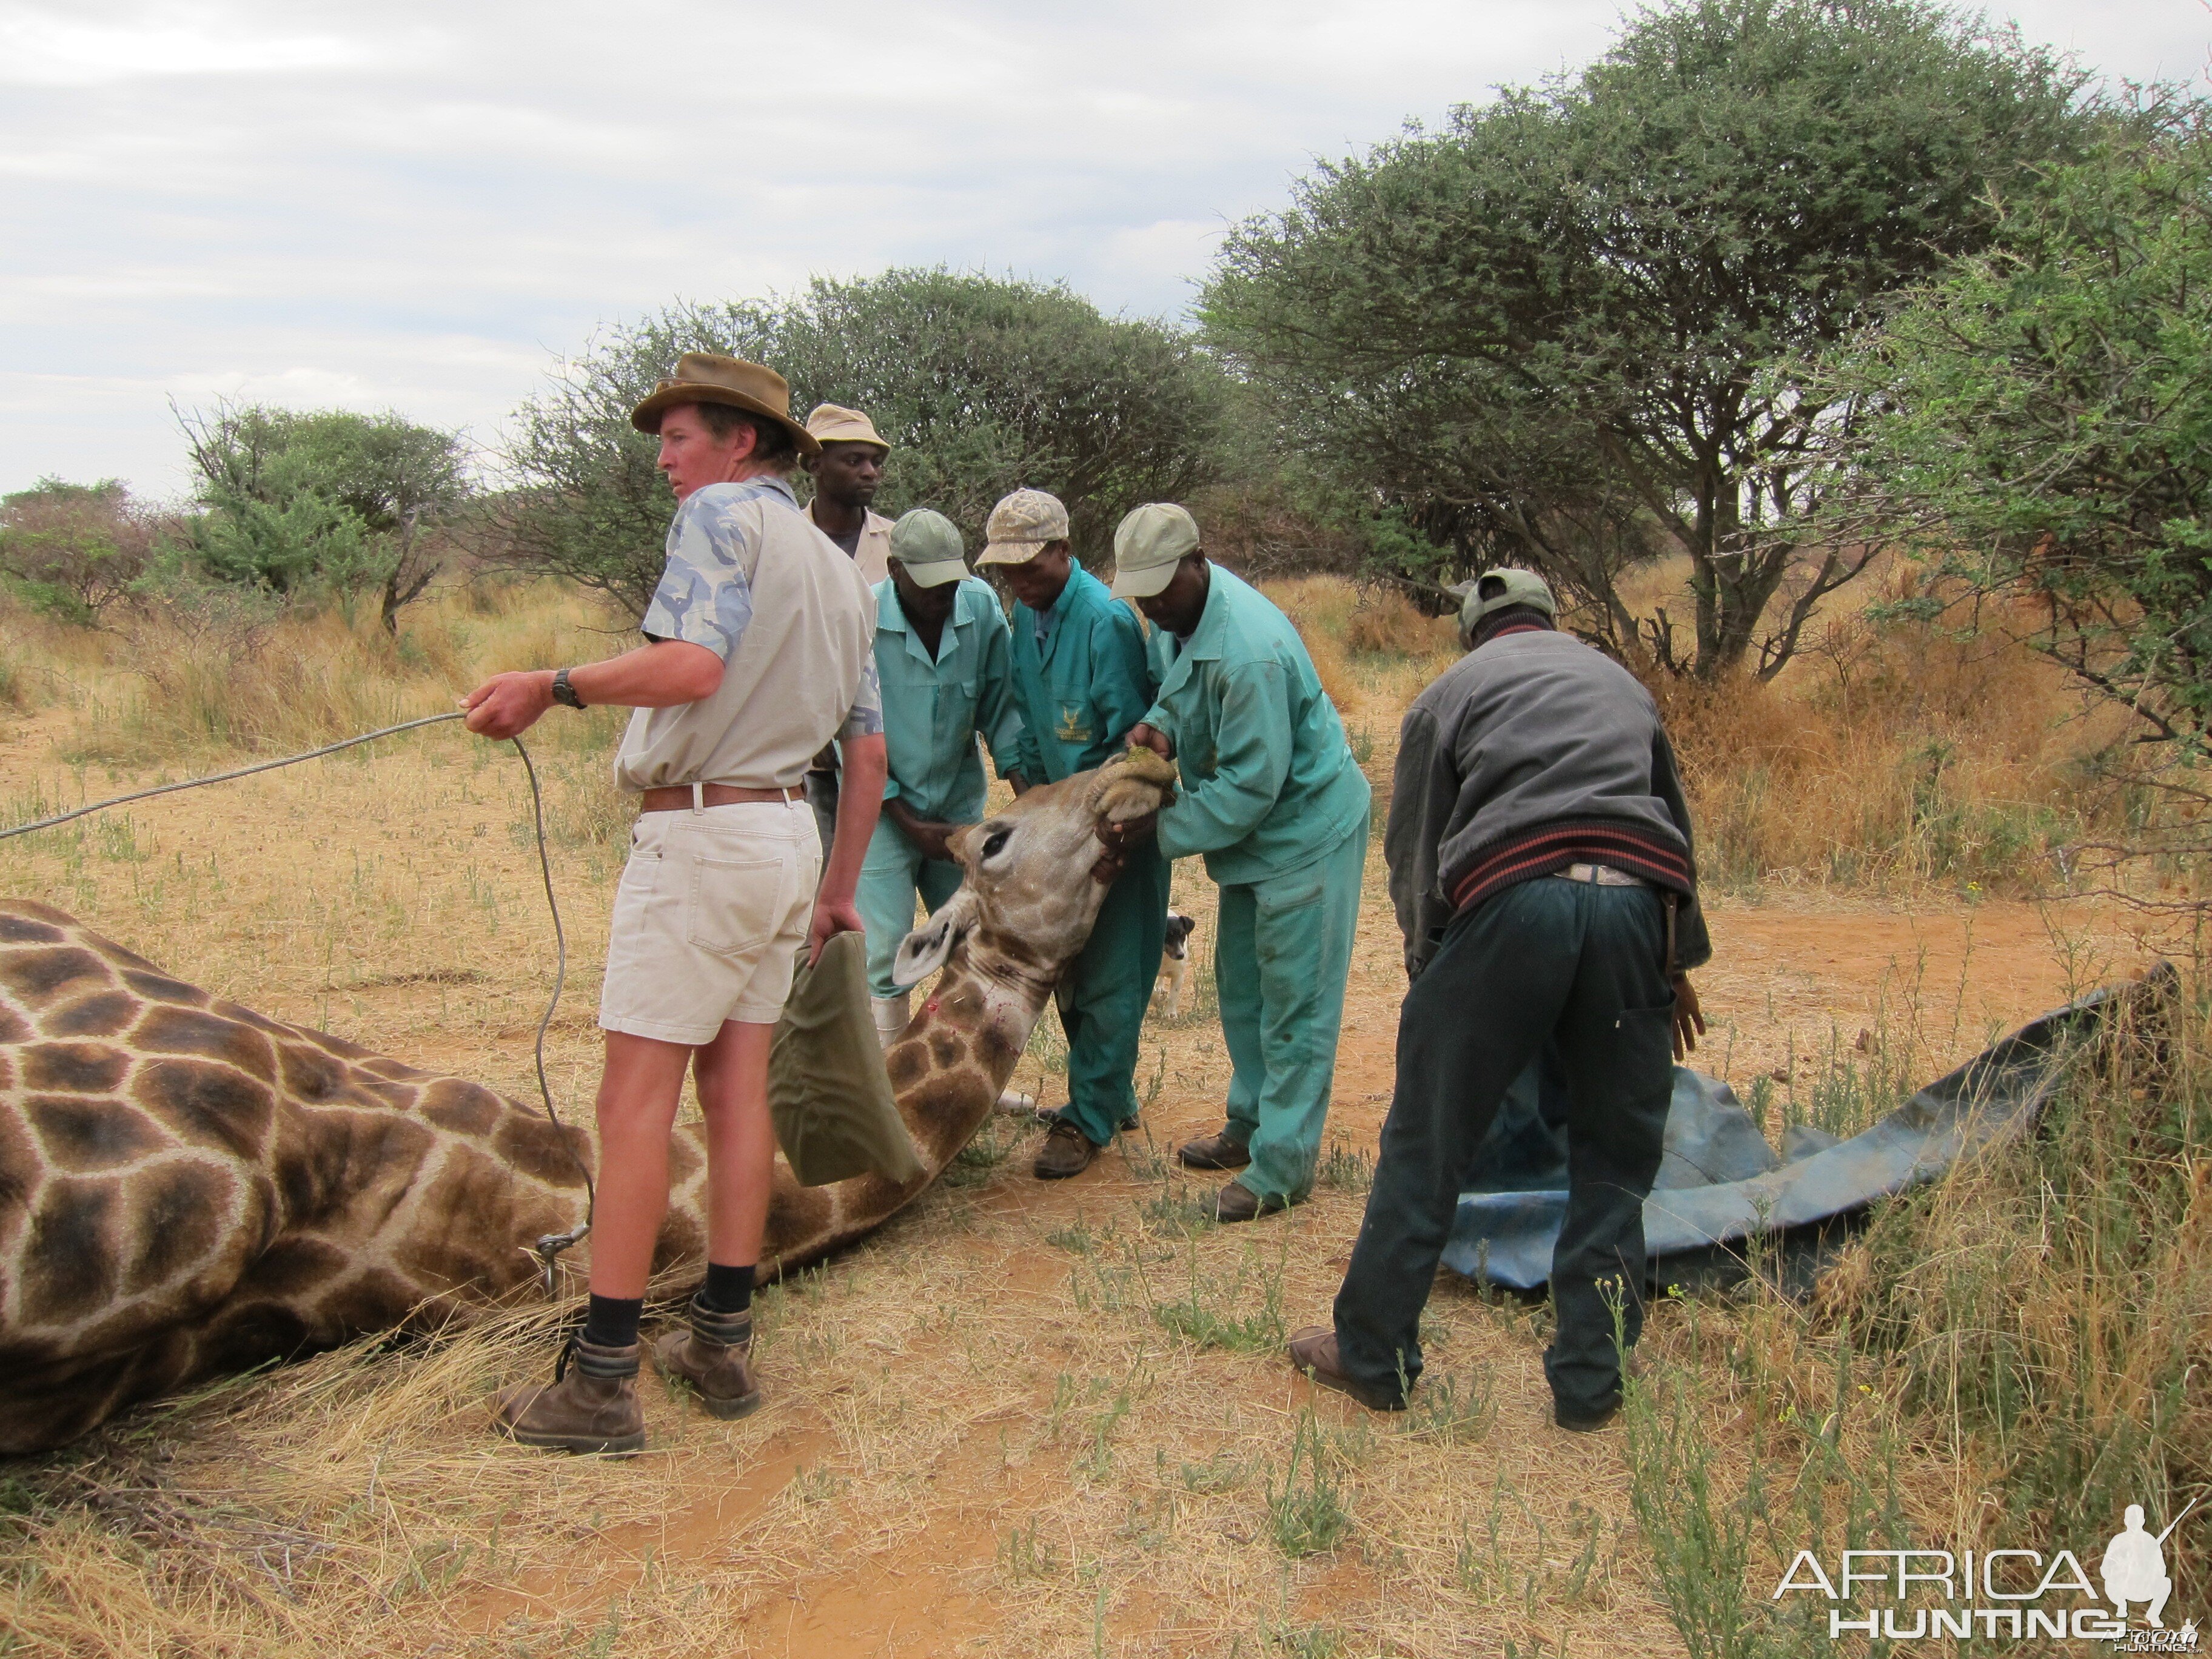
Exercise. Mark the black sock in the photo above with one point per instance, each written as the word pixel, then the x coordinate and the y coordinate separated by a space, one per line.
pixel 612 1320
pixel 727 1290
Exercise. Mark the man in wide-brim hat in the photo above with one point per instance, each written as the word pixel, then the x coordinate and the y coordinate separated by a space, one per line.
pixel 759 649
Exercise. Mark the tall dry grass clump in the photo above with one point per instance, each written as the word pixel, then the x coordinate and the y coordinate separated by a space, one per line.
pixel 2005 1359
pixel 1894 757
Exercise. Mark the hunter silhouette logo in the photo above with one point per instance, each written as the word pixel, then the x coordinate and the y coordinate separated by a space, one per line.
pixel 1974 1597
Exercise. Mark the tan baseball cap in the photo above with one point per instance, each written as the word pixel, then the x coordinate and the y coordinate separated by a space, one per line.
pixel 831 424
pixel 928 545
pixel 1148 546
pixel 1021 525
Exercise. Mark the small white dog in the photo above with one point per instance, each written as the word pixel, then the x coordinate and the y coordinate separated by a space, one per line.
pixel 1175 966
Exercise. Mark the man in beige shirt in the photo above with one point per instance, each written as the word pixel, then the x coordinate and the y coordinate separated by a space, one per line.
pixel 760 649
pixel 846 475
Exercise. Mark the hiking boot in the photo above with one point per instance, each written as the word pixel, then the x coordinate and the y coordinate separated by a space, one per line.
pixel 590 1405
pixel 1585 1422
pixel 1238 1202
pixel 1066 1151
pixel 714 1354
pixel 1313 1351
pixel 1214 1151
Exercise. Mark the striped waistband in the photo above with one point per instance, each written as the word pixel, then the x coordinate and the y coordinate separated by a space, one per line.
pixel 1556 849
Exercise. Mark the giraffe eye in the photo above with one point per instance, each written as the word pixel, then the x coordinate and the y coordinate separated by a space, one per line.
pixel 995 841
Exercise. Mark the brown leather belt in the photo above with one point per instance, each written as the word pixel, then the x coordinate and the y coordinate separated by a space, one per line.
pixel 681 797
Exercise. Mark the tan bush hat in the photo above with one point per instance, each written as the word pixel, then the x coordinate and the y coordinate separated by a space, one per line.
pixel 1148 546
pixel 701 377
pixel 831 424
pixel 1021 525
pixel 928 546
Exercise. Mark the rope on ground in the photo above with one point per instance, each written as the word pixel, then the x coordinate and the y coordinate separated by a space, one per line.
pixel 548 1247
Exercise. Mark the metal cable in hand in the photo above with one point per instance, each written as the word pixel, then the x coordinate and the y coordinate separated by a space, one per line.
pixel 548 1247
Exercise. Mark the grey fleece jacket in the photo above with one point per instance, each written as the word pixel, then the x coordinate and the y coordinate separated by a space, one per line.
pixel 1529 731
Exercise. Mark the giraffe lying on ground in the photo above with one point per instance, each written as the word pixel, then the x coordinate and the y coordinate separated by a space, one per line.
pixel 188 1189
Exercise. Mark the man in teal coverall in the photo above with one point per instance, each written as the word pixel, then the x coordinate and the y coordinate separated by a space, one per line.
pixel 943 647
pixel 1083 679
pixel 1272 796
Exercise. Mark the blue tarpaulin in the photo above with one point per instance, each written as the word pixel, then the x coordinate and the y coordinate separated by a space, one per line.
pixel 1721 1186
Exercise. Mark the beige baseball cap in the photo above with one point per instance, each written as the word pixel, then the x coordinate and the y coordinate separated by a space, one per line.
pixel 1500 589
pixel 831 424
pixel 1148 546
pixel 1021 525
pixel 928 545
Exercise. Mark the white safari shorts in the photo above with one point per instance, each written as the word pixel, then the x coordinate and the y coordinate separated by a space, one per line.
pixel 712 910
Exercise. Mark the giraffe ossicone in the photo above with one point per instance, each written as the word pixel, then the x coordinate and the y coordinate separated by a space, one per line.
pixel 188 1188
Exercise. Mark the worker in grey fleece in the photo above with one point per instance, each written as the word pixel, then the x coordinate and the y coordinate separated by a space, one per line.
pixel 1542 867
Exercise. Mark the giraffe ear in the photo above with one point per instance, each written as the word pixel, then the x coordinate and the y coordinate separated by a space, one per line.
pixel 928 947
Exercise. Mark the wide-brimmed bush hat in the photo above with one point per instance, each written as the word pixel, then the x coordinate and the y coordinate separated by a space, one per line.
pixel 701 377
pixel 831 423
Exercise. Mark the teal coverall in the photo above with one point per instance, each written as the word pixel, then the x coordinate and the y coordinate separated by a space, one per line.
pixel 1081 687
pixel 1273 797
pixel 933 711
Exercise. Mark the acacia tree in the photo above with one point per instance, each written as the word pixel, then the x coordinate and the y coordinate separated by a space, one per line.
pixel 74 550
pixel 327 498
pixel 1552 329
pixel 981 386
pixel 2039 423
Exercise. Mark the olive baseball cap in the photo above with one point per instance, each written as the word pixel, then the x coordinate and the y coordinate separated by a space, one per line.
pixel 1148 546
pixel 1501 590
pixel 1021 525
pixel 928 544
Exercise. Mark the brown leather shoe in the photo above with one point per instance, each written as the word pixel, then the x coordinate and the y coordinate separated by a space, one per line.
pixel 590 1405
pixel 714 1354
pixel 1066 1151
pixel 1313 1351
pixel 1214 1151
pixel 1238 1202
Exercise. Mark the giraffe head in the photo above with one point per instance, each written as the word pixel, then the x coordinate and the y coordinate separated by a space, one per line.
pixel 1029 901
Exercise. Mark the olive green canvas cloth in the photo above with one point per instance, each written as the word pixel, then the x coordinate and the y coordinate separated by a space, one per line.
pixel 828 1092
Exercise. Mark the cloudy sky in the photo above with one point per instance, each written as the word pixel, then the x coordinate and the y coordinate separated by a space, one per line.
pixel 419 206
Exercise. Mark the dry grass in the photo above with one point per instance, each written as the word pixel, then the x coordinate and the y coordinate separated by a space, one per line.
pixel 1022 1419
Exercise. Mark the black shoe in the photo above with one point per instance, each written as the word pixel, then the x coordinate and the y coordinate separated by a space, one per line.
pixel 1582 1423
pixel 1214 1151
pixel 1238 1202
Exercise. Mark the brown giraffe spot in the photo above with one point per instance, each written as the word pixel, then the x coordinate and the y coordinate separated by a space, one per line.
pixel 69 1262
pixel 906 1062
pixel 90 1068
pixel 179 1216
pixel 463 1108
pixel 82 1134
pixel 311 1075
pixel 38 978
pixel 206 1104
pixel 392 1070
pixel 20 1170
pixel 21 930
pixel 103 1014
pixel 168 1031
pixel 373 1301
pixel 13 1027
pixel 293 1266
pixel 995 1052
pixel 538 1151
pixel 359 1164
pixel 243 1333
pixel 683 1160
pixel 946 1048
pixel 456 1218
pixel 155 986
pixel 680 1241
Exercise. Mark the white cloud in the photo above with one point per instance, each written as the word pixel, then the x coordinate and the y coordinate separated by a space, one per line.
pixel 418 204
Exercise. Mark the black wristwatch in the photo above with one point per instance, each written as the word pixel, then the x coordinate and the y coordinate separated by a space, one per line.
pixel 564 693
